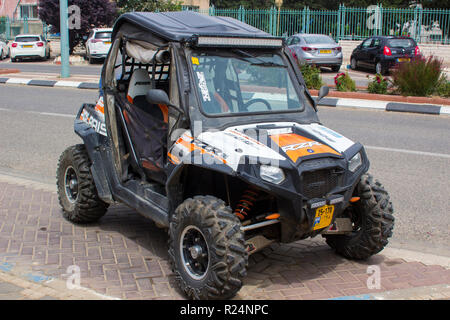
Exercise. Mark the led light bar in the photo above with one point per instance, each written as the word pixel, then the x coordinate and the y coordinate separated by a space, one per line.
pixel 239 42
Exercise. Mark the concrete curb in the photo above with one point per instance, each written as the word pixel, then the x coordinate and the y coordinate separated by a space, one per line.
pixel 386 106
pixel 51 83
pixel 327 102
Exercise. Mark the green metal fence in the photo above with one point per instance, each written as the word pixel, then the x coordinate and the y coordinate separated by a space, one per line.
pixel 424 25
pixel 11 28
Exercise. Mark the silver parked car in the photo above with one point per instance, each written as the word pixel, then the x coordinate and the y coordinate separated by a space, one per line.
pixel 317 49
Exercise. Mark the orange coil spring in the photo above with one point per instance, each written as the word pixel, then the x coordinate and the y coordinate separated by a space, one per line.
pixel 246 203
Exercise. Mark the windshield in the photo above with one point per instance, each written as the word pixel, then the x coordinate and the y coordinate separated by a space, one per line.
pixel 318 39
pixel 27 39
pixel 244 83
pixel 401 43
pixel 103 35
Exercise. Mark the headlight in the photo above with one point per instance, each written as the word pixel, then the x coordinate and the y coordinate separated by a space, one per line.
pixel 355 162
pixel 272 174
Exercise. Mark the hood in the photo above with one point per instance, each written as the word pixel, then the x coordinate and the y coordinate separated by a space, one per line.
pixel 275 142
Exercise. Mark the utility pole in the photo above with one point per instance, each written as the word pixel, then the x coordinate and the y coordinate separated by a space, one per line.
pixel 65 64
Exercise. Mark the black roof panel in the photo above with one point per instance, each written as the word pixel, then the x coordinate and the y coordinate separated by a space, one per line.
pixel 181 25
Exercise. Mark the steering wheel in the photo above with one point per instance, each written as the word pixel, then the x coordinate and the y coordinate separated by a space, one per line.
pixel 249 103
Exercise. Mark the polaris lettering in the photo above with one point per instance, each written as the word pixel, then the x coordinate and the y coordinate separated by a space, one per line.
pixel 97 125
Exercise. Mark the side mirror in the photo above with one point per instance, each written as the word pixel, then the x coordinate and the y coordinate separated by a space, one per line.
pixel 323 92
pixel 158 96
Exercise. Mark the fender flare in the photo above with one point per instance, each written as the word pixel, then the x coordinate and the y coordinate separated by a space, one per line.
pixel 174 189
pixel 91 140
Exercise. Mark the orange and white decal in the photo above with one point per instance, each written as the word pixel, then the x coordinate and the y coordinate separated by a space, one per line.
pixel 296 146
pixel 173 158
pixel 100 107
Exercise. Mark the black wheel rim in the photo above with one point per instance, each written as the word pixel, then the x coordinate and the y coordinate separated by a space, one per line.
pixel 356 219
pixel 194 252
pixel 71 184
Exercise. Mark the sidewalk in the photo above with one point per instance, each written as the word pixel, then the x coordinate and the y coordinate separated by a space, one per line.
pixel 124 256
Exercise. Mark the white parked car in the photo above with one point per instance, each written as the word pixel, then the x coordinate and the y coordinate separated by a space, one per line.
pixel 98 44
pixel 4 49
pixel 29 46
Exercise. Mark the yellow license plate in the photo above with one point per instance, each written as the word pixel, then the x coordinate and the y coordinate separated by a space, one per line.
pixel 323 218
pixel 325 51
pixel 27 46
pixel 403 59
pixel 107 42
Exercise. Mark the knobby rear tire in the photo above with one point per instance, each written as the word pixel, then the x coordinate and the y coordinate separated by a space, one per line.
pixel 87 207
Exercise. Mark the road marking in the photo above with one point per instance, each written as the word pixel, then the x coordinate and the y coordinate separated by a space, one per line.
pixel 374 104
pixel 56 114
pixel 419 153
pixel 65 115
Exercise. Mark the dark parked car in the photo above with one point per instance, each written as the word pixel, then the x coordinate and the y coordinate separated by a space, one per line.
pixel 382 53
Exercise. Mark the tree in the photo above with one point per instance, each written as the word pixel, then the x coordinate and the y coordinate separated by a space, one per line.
pixel 148 5
pixel 94 14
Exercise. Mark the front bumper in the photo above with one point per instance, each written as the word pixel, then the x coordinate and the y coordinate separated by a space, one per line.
pixel 297 198
pixel 28 53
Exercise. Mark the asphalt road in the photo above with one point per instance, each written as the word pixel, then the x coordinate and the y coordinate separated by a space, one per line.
pixel 409 153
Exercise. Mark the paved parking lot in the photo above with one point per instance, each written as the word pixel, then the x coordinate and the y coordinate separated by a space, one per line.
pixel 125 256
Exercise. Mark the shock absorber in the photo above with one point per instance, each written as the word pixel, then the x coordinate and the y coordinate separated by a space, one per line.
pixel 246 203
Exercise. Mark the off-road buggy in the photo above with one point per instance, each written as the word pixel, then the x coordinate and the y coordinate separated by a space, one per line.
pixel 206 127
